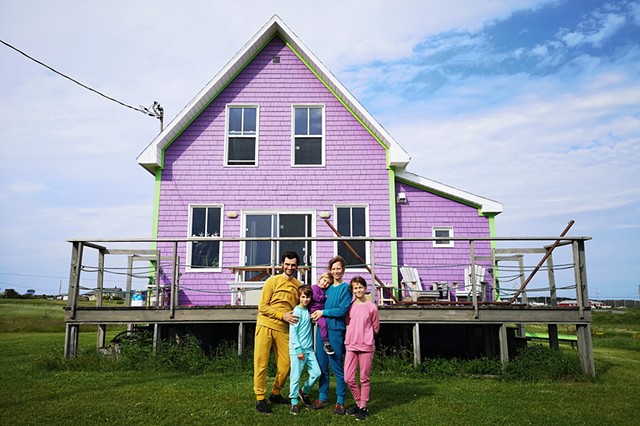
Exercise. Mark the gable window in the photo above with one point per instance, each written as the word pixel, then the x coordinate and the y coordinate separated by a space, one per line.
pixel 352 222
pixel 308 140
pixel 442 232
pixel 205 222
pixel 242 135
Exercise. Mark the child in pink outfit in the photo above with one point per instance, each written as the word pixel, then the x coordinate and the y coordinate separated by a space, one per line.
pixel 362 325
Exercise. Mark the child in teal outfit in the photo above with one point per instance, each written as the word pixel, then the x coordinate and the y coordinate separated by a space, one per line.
pixel 301 352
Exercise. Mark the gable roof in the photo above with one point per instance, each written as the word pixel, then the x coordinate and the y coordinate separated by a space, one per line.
pixel 486 205
pixel 151 157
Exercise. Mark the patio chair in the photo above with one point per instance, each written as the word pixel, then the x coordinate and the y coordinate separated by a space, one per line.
pixel 468 288
pixel 412 285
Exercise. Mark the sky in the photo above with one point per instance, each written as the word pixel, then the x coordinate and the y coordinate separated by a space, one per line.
pixel 532 103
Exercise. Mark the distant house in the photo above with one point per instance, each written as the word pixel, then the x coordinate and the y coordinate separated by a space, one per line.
pixel 272 146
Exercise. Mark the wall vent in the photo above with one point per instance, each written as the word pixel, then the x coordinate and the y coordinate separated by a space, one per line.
pixel 276 59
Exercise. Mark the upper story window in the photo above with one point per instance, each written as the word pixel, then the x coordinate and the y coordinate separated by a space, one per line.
pixel 308 143
pixel 442 232
pixel 206 221
pixel 352 222
pixel 242 135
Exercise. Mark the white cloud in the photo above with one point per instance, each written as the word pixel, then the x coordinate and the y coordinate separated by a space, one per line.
pixel 595 31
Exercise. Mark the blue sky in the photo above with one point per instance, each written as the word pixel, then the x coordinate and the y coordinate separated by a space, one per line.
pixel 535 104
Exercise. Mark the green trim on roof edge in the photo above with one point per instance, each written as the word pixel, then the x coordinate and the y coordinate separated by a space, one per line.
pixel 442 194
pixel 338 98
pixel 217 93
pixel 156 204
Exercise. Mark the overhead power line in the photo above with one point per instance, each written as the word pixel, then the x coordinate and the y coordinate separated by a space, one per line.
pixel 153 111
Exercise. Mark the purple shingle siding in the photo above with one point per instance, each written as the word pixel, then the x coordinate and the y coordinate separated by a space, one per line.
pixel 355 174
pixel 419 215
pixel 194 172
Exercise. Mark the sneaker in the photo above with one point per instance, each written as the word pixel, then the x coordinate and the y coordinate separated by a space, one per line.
pixel 328 349
pixel 295 410
pixel 318 404
pixel 352 411
pixel 338 410
pixel 263 408
pixel 278 399
pixel 305 399
pixel 362 414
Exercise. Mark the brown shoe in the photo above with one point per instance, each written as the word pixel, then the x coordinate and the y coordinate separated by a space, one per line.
pixel 318 404
pixel 338 410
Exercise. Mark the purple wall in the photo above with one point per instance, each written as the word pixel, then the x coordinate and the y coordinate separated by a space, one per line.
pixel 419 215
pixel 194 173
pixel 354 174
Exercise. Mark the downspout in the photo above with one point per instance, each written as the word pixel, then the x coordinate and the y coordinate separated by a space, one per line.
pixel 393 225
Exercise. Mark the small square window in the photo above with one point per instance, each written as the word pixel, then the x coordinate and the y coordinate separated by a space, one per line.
pixel 442 232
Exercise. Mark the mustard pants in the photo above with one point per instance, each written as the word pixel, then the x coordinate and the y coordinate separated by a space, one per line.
pixel 265 339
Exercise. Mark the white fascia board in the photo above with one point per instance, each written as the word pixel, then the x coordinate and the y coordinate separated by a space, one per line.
pixel 486 205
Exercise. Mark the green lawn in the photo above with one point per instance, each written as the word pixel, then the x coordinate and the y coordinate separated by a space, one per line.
pixel 31 394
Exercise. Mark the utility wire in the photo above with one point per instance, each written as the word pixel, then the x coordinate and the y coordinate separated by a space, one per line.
pixel 154 111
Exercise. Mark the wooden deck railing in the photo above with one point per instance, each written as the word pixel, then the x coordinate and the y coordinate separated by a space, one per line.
pixel 498 257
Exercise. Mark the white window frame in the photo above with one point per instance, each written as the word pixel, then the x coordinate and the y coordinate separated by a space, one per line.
pixel 227 135
pixel 314 248
pixel 441 243
pixel 189 268
pixel 294 136
pixel 367 231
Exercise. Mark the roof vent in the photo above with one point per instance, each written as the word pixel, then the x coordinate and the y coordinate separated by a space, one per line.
pixel 276 59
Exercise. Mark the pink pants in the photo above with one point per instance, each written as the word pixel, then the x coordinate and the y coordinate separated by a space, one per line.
pixel 351 361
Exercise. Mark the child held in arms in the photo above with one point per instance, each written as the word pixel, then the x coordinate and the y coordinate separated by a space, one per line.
pixel 317 304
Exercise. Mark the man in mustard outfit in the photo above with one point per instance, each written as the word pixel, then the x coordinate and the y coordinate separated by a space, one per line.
pixel 275 312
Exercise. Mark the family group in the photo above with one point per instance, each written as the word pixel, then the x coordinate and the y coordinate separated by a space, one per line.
pixel 347 323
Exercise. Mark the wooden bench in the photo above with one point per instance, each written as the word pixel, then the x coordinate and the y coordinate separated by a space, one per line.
pixel 566 338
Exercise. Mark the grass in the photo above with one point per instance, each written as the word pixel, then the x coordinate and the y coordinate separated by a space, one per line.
pixel 39 387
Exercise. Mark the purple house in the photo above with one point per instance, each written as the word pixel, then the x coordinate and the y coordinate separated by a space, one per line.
pixel 273 146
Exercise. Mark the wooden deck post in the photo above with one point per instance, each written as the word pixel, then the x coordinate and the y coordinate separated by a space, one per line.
pixel 100 278
pixel 71 340
pixel 174 282
pixel 74 277
pixel 474 293
pixel 585 349
pixel 417 356
pixel 241 330
pixel 522 329
pixel 504 345
pixel 102 336
pixel 157 336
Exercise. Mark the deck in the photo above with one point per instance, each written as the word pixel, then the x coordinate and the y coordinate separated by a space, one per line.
pixel 488 325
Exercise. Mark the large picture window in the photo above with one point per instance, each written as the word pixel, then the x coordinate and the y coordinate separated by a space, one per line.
pixel 352 222
pixel 242 135
pixel 205 222
pixel 308 143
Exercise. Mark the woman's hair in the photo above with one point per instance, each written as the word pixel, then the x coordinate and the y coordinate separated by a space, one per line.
pixel 304 289
pixel 359 280
pixel 328 276
pixel 335 259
